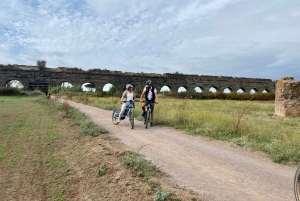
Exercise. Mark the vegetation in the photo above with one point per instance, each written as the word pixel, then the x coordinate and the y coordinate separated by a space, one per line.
pixel 90 86
pixel 13 91
pixel 221 96
pixel 41 64
pixel 244 123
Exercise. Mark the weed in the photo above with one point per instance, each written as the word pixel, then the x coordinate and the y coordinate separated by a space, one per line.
pixel 84 99
pixel 66 107
pixel 70 96
pixel 103 169
pixel 162 195
pixel 242 114
pixel 141 167
pixel 88 127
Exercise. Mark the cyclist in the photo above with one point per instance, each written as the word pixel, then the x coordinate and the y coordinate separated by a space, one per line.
pixel 128 95
pixel 151 97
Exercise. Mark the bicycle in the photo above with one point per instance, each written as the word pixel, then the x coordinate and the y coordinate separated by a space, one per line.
pixel 297 184
pixel 128 111
pixel 148 113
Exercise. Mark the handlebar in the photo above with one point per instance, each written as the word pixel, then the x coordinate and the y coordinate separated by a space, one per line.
pixel 127 101
pixel 148 101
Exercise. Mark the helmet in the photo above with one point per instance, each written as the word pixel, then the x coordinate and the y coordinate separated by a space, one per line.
pixel 129 86
pixel 148 82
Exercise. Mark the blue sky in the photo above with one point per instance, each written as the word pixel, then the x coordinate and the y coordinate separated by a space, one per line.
pixel 239 38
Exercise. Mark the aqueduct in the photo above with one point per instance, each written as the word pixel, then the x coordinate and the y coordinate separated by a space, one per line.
pixel 77 77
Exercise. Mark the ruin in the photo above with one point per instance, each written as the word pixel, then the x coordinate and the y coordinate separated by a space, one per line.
pixel 287 100
pixel 77 77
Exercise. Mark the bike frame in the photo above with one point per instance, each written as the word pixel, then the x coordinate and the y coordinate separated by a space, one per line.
pixel 128 112
pixel 148 113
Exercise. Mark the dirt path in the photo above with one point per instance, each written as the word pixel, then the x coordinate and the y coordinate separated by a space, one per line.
pixel 213 169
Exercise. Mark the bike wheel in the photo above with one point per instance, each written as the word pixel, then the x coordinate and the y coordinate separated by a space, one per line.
pixel 297 184
pixel 115 117
pixel 131 118
pixel 147 118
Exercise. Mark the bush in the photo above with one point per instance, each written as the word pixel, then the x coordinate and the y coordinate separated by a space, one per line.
pixel 8 91
pixel 221 96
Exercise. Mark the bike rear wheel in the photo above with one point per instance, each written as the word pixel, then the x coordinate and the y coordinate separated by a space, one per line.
pixel 147 117
pixel 115 117
pixel 297 184
pixel 131 118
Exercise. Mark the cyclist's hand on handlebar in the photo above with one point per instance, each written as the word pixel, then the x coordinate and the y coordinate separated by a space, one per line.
pixel 156 102
pixel 141 100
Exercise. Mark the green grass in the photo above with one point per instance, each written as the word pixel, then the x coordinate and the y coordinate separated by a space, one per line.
pixel 30 136
pixel 258 127
pixel 87 127
pixel 245 123
pixel 24 139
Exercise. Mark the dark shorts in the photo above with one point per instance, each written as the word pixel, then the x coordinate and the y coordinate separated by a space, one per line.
pixel 151 104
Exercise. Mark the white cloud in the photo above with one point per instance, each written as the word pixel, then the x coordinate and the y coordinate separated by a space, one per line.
pixel 227 37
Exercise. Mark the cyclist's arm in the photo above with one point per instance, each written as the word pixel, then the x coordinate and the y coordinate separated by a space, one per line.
pixel 156 97
pixel 123 98
pixel 142 96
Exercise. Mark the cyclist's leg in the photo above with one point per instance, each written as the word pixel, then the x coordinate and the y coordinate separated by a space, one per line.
pixel 152 113
pixel 147 116
pixel 115 117
pixel 131 117
pixel 123 108
pixel 143 108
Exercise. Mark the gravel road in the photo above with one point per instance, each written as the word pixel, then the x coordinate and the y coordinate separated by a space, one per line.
pixel 213 169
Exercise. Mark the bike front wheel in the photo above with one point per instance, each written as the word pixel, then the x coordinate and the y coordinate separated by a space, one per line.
pixel 147 117
pixel 297 184
pixel 131 118
pixel 115 117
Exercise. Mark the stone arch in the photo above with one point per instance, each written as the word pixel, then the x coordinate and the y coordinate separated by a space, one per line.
pixel 253 91
pixel 107 86
pixel 84 88
pixel 240 91
pixel 213 89
pixel 227 90
pixel 65 84
pixel 15 84
pixel 165 88
pixel 265 91
pixel 182 89
pixel 198 89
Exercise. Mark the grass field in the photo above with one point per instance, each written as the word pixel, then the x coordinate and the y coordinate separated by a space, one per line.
pixel 245 123
pixel 51 151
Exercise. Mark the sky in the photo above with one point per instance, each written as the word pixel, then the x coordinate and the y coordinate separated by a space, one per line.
pixel 238 38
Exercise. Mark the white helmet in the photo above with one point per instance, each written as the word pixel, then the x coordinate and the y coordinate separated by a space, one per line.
pixel 129 86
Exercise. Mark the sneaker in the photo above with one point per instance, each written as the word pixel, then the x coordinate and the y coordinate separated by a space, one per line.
pixel 151 124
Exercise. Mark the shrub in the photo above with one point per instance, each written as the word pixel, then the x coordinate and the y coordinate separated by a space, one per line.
pixel 5 91
pixel 162 195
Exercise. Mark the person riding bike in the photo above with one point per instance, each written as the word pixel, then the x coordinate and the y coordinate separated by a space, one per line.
pixel 128 96
pixel 151 96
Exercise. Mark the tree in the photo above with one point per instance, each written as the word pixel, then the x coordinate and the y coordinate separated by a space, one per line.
pixel 90 86
pixel 112 90
pixel 41 64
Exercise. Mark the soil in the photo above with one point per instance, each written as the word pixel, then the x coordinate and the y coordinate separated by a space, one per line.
pixel 215 170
